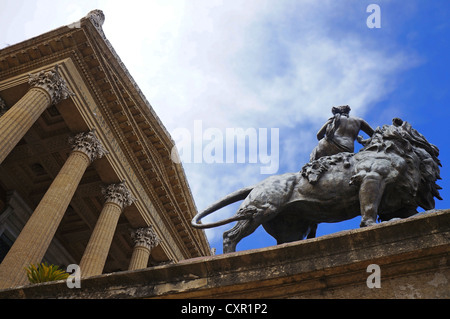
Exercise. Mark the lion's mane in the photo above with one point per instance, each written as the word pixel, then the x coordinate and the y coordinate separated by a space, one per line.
pixel 422 156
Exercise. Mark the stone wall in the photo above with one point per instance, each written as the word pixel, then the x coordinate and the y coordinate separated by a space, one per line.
pixel 412 255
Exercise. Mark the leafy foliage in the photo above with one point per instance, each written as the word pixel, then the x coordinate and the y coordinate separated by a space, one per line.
pixel 45 272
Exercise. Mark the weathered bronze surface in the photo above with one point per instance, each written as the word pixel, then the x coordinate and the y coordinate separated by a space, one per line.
pixel 339 133
pixel 393 174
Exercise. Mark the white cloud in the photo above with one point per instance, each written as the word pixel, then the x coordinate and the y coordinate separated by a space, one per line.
pixel 248 64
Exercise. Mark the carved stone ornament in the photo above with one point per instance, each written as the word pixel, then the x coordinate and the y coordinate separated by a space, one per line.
pixel 145 236
pixel 97 17
pixel 119 194
pixel 89 144
pixel 52 82
pixel 3 107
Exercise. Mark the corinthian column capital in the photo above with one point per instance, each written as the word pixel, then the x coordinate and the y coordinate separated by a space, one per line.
pixel 119 194
pixel 145 236
pixel 89 144
pixel 52 82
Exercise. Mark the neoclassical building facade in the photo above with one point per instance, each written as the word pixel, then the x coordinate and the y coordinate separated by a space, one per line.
pixel 86 175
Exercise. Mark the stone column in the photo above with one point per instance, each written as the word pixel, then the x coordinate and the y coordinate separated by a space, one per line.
pixel 47 88
pixel 144 240
pixel 117 198
pixel 34 239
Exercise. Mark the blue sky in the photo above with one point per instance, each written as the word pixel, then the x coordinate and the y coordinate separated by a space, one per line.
pixel 270 64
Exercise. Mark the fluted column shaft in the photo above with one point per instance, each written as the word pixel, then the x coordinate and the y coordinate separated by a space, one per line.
pixel 144 240
pixel 139 258
pixel 47 88
pixel 94 258
pixel 96 253
pixel 34 239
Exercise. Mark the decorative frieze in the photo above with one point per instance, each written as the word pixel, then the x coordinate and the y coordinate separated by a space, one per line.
pixel 145 236
pixel 119 194
pixel 52 82
pixel 89 144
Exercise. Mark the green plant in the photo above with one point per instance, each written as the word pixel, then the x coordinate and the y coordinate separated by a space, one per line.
pixel 45 272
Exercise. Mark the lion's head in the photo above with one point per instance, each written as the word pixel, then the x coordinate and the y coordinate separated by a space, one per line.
pixel 419 180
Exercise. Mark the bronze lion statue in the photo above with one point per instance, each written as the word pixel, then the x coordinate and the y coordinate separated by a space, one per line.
pixel 393 174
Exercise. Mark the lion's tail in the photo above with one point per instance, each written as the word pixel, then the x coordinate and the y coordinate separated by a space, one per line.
pixel 227 200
